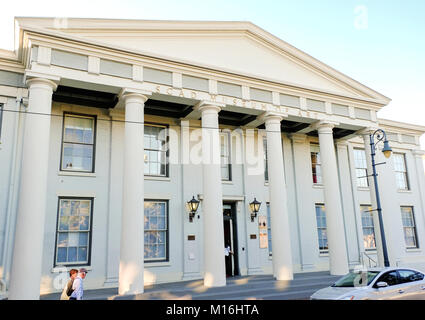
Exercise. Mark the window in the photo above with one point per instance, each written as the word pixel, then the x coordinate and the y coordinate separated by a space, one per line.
pixel 406 276
pixel 269 229
pixel 409 227
pixel 368 227
pixel 400 171
pixel 78 143
pixel 361 167
pixel 225 144
pixel 155 145
pixel 391 278
pixel 321 228
pixel 73 234
pixel 266 162
pixel 316 164
pixel 156 231
pixel 1 117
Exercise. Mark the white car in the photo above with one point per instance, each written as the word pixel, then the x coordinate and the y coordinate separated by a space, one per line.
pixel 376 284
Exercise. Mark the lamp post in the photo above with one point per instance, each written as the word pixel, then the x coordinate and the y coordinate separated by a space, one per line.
pixel 193 207
pixel 380 135
pixel 255 207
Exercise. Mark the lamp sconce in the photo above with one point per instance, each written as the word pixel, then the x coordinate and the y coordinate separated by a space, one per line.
pixel 254 206
pixel 193 207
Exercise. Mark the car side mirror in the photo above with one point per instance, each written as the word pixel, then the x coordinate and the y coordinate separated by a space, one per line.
pixel 381 284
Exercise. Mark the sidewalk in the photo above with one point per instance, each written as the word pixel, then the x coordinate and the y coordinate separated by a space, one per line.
pixel 237 288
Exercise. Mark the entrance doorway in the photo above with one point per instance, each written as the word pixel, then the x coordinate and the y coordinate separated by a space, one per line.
pixel 230 239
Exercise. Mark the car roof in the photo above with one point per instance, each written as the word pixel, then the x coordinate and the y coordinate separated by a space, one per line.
pixel 384 269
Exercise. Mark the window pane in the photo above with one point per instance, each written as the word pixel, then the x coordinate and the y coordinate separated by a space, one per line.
pixel 321 227
pixel 62 254
pixel 72 254
pixel 77 157
pixel 78 129
pixel 72 246
pixel 82 254
pixel 155 236
pixel 409 227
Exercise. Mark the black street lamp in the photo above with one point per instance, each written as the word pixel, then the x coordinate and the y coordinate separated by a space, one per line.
pixel 255 207
pixel 193 207
pixel 380 135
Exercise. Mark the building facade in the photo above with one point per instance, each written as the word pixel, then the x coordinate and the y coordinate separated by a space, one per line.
pixel 97 115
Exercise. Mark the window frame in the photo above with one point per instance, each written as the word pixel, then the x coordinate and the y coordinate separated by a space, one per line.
pixel 316 164
pixel 405 172
pixel 265 160
pixel 363 176
pixel 167 232
pixel 79 115
pixel 368 227
pixel 321 251
pixel 414 228
pixel 379 279
pixel 167 152
pixel 229 156
pixel 90 231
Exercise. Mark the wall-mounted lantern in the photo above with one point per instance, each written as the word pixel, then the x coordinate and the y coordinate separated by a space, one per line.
pixel 193 207
pixel 254 206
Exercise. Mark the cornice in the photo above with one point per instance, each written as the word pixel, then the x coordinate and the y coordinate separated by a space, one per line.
pixel 83 46
pixel 242 27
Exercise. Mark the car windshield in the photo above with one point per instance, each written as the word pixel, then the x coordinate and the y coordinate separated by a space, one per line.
pixel 356 279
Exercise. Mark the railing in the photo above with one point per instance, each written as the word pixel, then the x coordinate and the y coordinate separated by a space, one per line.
pixel 371 262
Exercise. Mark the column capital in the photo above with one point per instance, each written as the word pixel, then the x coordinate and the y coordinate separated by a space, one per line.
pixel 418 153
pixel 271 117
pixel 298 138
pixel 367 131
pixel 137 95
pixel 324 126
pixel 208 105
pixel 33 82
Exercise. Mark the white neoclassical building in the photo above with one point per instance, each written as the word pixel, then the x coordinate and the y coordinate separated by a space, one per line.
pixel 109 127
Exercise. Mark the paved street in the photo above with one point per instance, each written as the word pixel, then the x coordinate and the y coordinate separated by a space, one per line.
pixel 237 288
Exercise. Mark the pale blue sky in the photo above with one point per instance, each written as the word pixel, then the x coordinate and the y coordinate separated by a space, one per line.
pixel 379 43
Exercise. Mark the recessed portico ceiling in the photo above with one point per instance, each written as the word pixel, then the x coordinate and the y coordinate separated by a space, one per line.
pixel 240 48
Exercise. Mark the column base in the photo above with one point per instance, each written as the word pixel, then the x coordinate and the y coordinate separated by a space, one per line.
pixel 255 271
pixel 191 276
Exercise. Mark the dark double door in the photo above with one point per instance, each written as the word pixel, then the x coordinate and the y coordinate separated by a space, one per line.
pixel 230 239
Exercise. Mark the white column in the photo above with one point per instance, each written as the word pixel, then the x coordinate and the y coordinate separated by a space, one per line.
pixel 212 205
pixel 338 262
pixel 132 223
pixel 420 176
pixel 282 255
pixel 29 235
pixel 376 225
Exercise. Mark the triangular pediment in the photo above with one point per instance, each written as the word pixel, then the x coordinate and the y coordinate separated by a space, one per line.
pixel 240 48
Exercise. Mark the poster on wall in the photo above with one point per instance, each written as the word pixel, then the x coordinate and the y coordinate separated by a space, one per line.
pixel 262 225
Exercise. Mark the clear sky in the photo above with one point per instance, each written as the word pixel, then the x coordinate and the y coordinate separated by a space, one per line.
pixel 380 43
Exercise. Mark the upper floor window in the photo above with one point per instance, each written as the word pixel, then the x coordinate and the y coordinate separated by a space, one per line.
pixel 361 167
pixel 409 227
pixel 368 227
pixel 156 230
pixel 316 163
pixel 225 156
pixel 321 228
pixel 73 231
pixel 400 171
pixel 155 146
pixel 78 143
pixel 266 162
